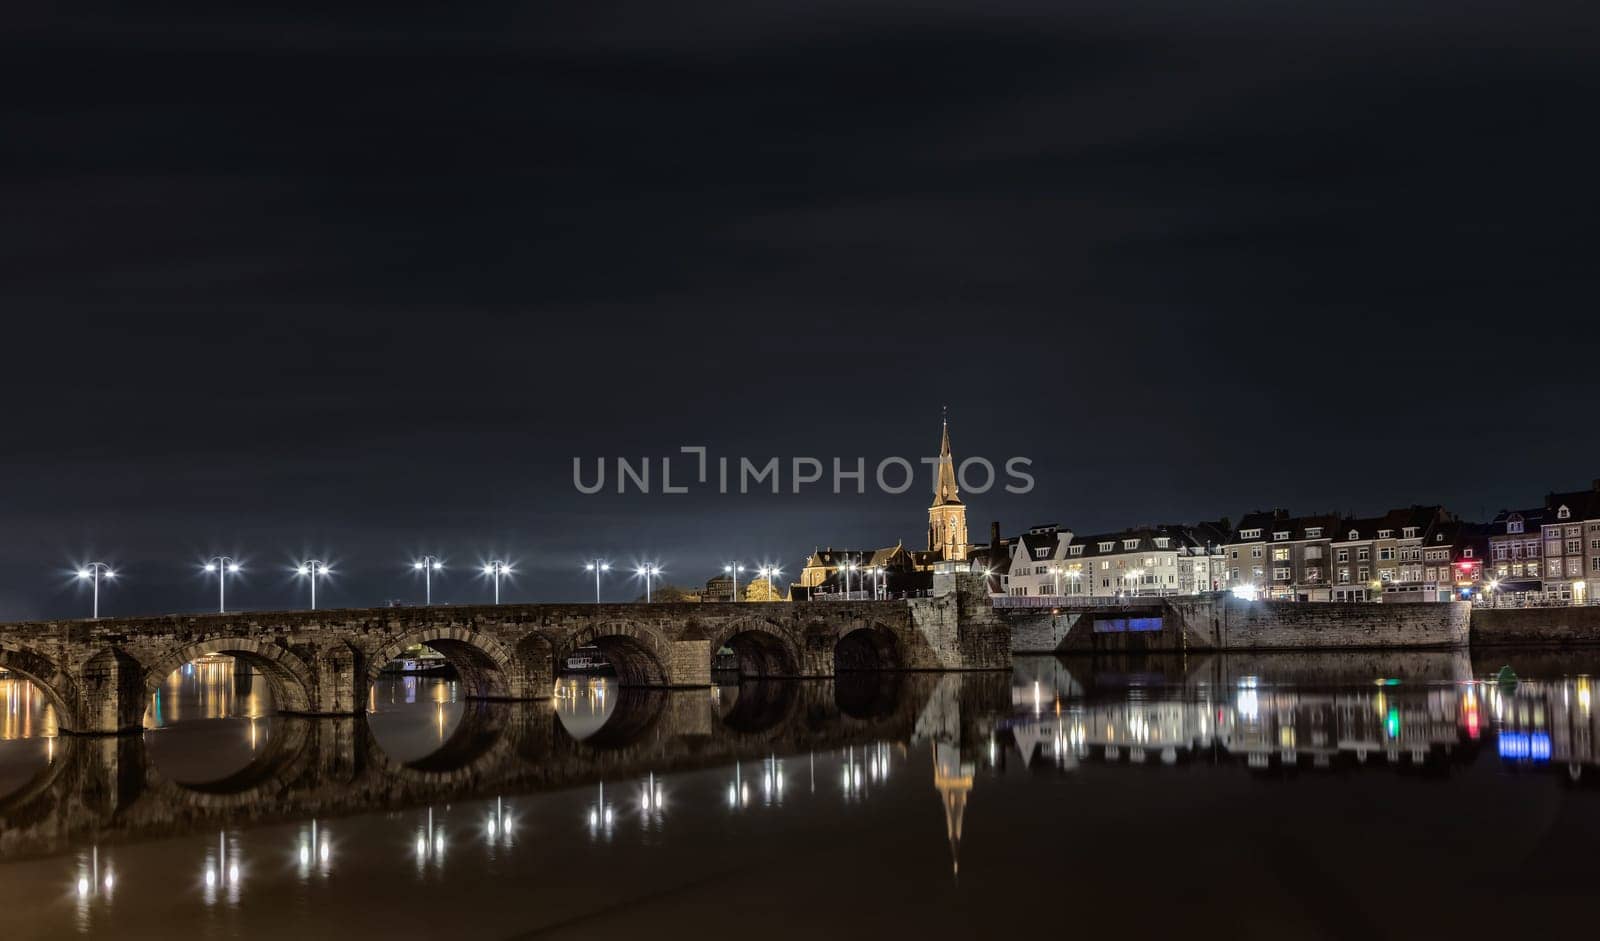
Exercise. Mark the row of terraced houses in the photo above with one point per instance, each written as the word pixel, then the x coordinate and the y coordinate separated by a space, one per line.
pixel 1544 555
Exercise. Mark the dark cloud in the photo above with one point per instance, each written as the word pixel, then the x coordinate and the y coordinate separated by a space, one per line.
pixel 363 279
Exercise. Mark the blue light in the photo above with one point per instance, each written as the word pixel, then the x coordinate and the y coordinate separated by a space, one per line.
pixel 1524 746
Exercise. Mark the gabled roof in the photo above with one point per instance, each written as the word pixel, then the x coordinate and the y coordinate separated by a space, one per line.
pixel 1257 519
pixel 1532 519
pixel 1178 537
pixel 1582 504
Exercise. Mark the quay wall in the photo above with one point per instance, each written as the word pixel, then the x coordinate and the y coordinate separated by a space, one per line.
pixel 1532 627
pixel 1229 623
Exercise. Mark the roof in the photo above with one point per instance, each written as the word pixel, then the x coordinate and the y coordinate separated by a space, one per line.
pixel 1257 519
pixel 1279 521
pixel 1178 537
pixel 1424 518
pixel 1582 504
pixel 1531 520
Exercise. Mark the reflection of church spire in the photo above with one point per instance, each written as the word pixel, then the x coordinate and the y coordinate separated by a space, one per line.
pixel 953 780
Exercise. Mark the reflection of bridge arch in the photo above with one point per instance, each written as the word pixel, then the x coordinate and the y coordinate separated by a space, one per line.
pixel 483 663
pixel 637 710
pixel 292 682
pixel 271 772
pixel 760 706
pixel 477 743
pixel 763 648
pixel 49 677
pixel 638 652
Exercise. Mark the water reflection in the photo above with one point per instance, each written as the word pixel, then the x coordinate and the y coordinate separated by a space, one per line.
pixel 28 732
pixel 524 792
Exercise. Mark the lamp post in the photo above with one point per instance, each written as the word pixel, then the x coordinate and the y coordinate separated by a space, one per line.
pixel 495 568
pixel 647 571
pixel 597 566
pixel 849 571
pixel 1136 575
pixel 94 571
pixel 427 565
pixel 313 569
pixel 768 572
pixel 224 567
pixel 733 569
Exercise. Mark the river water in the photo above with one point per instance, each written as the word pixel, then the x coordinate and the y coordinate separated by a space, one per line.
pixel 1387 795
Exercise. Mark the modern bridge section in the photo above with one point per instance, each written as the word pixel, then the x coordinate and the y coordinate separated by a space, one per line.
pixel 100 675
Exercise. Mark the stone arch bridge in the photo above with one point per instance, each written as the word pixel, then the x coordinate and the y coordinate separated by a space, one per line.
pixel 100 676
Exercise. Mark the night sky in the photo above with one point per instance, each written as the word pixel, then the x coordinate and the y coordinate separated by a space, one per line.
pixel 360 281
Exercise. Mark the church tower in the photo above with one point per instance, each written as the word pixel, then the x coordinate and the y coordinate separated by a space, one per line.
pixel 947 518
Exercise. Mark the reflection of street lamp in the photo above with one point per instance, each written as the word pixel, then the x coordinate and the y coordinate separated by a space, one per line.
pixel 602 816
pixel 224 567
pixel 427 565
pixel 93 572
pixel 597 566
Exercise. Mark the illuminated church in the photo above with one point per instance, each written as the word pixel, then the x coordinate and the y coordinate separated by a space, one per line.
pixel 905 568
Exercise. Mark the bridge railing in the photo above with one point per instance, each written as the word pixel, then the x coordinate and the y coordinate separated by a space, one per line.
pixel 1077 601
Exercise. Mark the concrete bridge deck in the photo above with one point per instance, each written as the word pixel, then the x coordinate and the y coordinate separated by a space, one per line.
pixel 100 675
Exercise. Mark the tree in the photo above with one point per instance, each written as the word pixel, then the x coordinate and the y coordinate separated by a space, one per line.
pixel 670 594
pixel 757 590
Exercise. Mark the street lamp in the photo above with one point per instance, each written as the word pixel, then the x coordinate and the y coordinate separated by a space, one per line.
pixel 597 566
pixel 647 571
pixel 224 567
pixel 495 568
pixel 1136 575
pixel 733 569
pixel 769 572
pixel 427 565
pixel 94 571
pixel 313 569
pixel 848 571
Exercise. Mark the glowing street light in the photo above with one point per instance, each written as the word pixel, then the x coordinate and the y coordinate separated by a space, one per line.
pixel 93 572
pixel 733 569
pixel 597 566
pixel 223 566
pixel 495 569
pixel 647 571
pixel 876 571
pixel 313 569
pixel 427 565
pixel 769 572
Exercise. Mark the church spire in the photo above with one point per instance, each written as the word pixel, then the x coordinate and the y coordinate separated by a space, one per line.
pixel 944 490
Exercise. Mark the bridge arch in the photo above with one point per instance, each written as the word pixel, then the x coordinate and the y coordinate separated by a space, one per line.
pixel 864 646
pixel 483 664
pixel 763 649
pixel 49 677
pixel 292 682
pixel 638 652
